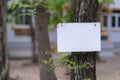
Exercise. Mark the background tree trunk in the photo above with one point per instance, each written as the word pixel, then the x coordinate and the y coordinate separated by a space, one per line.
pixel 32 27
pixel 3 42
pixel 84 11
pixel 34 55
pixel 42 43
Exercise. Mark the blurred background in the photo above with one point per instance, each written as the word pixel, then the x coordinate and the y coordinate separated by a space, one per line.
pixel 20 39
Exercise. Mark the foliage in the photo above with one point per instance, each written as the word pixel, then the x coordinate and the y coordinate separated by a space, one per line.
pixel 50 65
pixel 15 6
pixel 64 60
pixel 59 10
pixel 87 79
pixel 106 1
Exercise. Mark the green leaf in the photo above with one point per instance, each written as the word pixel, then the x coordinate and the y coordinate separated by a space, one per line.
pixel 45 62
pixel 100 1
pixel 87 79
pixel 109 1
pixel 20 5
pixel 106 1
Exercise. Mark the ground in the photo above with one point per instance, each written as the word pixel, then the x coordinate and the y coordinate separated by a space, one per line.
pixel 110 70
pixel 24 70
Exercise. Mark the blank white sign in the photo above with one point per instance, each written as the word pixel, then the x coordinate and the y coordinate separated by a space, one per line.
pixel 78 37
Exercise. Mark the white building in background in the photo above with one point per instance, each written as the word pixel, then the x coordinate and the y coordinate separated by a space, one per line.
pixel 18 36
pixel 111 27
pixel 19 42
pixel 111 22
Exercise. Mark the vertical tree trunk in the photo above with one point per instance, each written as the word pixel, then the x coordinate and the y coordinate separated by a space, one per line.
pixel 43 44
pixel 32 27
pixel 1 37
pixel 3 43
pixel 34 55
pixel 32 30
pixel 2 33
pixel 84 11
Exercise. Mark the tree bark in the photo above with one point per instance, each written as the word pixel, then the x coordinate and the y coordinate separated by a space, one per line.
pixel 3 41
pixel 84 11
pixel 32 27
pixel 32 30
pixel 42 43
pixel 34 55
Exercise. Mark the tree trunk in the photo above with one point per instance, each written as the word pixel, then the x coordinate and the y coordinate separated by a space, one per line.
pixel 42 43
pixel 32 30
pixel 32 27
pixel 3 43
pixel 84 11
pixel 34 55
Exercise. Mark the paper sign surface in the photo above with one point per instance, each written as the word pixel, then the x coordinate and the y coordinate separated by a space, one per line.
pixel 78 37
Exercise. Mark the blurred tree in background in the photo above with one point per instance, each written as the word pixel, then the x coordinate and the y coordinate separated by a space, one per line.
pixel 57 13
pixel 4 66
pixel 42 42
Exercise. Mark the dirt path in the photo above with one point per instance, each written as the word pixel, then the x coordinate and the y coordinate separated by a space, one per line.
pixel 24 70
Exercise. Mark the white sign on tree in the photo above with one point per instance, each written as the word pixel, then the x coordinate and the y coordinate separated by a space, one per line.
pixel 78 37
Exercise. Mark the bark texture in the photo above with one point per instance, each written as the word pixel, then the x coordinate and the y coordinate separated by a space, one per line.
pixel 84 11
pixel 42 43
pixel 32 27
pixel 3 43
pixel 34 55
pixel 2 34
